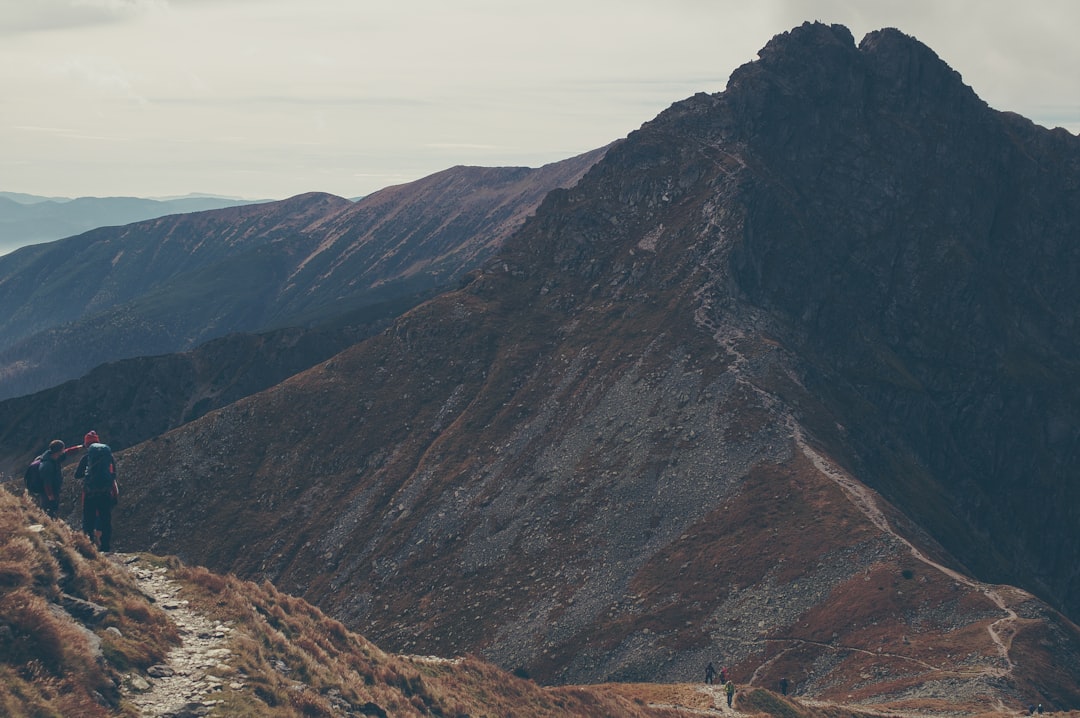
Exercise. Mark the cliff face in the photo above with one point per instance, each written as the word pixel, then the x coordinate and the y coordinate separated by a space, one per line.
pixel 923 251
pixel 744 393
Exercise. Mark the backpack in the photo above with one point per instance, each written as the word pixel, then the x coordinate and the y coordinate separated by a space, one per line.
pixel 32 477
pixel 99 468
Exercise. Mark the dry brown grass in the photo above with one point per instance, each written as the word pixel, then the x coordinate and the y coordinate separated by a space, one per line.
pixel 295 661
pixel 49 665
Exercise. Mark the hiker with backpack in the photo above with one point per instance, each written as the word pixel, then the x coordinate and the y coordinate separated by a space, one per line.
pixel 45 476
pixel 97 469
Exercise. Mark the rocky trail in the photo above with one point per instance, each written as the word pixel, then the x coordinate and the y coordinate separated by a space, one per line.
pixel 184 685
pixel 716 696
pixel 1000 631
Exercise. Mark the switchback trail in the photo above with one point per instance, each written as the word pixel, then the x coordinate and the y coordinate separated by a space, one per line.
pixel 1001 631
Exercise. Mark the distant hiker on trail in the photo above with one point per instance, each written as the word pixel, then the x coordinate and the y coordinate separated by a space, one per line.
pixel 783 686
pixel 97 469
pixel 723 675
pixel 729 689
pixel 50 476
pixel 710 673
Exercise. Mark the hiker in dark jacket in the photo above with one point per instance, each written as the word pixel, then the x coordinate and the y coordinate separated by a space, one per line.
pixel 97 469
pixel 52 477
pixel 51 472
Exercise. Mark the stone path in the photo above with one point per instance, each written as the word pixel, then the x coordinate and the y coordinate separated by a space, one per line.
pixel 182 686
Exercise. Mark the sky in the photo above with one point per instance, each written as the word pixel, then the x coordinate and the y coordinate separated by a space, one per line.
pixel 266 99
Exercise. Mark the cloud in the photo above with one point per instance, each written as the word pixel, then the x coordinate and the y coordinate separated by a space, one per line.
pixel 20 16
pixel 262 97
pixel 99 78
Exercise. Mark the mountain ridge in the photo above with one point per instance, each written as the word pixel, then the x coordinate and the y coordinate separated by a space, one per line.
pixel 96 636
pixel 30 219
pixel 168 284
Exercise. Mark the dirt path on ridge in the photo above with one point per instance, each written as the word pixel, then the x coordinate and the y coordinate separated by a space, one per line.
pixel 183 685
pixel 1001 631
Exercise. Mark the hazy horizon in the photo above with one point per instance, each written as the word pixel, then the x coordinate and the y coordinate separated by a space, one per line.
pixel 269 99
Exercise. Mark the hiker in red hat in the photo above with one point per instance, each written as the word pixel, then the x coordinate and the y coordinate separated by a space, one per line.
pixel 97 469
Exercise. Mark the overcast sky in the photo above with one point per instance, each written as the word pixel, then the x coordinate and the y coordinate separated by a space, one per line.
pixel 271 98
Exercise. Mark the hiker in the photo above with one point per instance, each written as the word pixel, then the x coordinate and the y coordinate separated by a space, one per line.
pixel 45 476
pixel 51 477
pixel 710 673
pixel 729 688
pixel 723 675
pixel 783 686
pixel 97 469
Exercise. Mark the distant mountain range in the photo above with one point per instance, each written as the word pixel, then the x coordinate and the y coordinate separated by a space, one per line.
pixel 785 380
pixel 168 284
pixel 29 219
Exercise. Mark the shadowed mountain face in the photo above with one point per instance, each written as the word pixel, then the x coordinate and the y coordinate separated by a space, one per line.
pixel 756 390
pixel 169 284
pixel 132 400
pixel 924 254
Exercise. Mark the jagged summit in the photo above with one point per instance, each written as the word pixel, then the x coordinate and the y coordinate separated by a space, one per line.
pixel 824 61
pixel 813 84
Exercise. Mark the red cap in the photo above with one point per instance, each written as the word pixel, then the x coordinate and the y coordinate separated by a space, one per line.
pixel 90 438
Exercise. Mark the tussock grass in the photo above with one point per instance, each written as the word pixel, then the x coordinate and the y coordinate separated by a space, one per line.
pixel 50 663
pixel 293 660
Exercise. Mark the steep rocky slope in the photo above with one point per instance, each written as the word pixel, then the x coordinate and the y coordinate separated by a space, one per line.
pixel 716 402
pixel 169 284
pixel 923 253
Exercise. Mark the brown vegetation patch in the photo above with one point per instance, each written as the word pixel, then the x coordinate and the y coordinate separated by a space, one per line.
pixel 52 663
pixel 294 660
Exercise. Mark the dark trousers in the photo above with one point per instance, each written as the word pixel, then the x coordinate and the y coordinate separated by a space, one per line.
pixel 49 506
pixel 97 514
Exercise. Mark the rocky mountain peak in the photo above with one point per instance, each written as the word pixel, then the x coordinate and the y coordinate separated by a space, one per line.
pixel 823 61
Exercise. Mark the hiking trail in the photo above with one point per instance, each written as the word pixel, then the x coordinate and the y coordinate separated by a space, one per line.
pixel 1001 631
pixel 184 684
pixel 716 696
